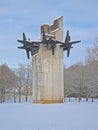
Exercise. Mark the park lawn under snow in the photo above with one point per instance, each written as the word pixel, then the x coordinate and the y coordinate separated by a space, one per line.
pixel 67 116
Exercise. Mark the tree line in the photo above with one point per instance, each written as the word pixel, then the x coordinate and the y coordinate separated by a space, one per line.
pixel 80 79
pixel 15 83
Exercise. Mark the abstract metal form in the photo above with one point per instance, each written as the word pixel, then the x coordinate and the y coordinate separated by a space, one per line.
pixel 50 43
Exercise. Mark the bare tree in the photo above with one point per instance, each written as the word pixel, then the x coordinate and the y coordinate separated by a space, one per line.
pixel 72 76
pixel 24 73
pixel 8 81
pixel 92 69
pixel 82 79
pixel 28 81
pixel 21 79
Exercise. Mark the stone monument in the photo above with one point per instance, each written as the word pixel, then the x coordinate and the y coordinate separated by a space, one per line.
pixel 47 60
pixel 48 82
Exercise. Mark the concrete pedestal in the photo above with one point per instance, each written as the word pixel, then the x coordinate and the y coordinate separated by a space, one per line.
pixel 48 79
pixel 48 82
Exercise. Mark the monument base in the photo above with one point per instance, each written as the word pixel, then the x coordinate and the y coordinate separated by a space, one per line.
pixel 48 101
pixel 48 68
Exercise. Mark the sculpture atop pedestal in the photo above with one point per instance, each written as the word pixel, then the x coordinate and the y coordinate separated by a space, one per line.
pixel 47 57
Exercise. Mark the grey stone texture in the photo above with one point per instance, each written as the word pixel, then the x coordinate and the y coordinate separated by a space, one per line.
pixel 48 77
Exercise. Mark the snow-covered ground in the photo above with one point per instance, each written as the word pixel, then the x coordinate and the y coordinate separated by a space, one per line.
pixel 67 116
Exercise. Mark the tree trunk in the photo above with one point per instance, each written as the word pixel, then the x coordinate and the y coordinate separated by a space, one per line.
pixel 26 93
pixel 19 90
pixel 1 97
pixel 92 99
pixel 86 98
pixel 14 96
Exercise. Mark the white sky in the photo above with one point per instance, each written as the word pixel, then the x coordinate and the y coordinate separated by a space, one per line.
pixel 80 18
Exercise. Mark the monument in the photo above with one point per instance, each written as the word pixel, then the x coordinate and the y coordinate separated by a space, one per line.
pixel 47 60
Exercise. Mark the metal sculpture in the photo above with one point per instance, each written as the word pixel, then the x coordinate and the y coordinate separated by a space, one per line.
pixel 33 46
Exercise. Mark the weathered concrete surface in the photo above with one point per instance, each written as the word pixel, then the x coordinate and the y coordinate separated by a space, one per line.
pixel 48 82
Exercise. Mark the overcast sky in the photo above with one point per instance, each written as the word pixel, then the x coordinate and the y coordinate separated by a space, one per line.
pixel 18 16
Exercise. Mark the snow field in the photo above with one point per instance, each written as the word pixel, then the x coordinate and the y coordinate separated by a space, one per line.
pixel 67 116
